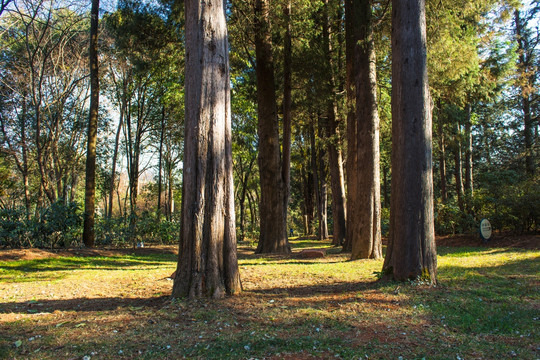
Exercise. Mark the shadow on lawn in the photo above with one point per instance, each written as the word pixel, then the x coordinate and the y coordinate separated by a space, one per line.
pixel 83 304
pixel 324 289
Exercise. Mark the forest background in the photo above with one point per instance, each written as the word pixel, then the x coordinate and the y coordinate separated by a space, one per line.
pixel 482 59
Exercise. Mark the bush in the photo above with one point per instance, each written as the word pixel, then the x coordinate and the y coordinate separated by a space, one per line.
pixel 59 225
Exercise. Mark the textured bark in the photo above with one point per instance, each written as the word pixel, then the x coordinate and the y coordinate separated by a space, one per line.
pixel 207 260
pixel 287 109
pixel 90 187
pixel 364 221
pixel 333 135
pixel 411 250
pixel 350 41
pixel 273 229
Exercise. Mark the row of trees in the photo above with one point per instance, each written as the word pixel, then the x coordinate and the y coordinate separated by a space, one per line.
pixel 311 120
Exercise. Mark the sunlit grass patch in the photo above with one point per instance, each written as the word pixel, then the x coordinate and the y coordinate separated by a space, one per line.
pixel 484 306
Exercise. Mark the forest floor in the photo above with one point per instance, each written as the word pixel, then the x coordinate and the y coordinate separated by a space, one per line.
pixel 115 303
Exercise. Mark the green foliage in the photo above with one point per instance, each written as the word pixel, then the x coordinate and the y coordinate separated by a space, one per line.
pixel 58 225
pixel 449 219
pixel 508 202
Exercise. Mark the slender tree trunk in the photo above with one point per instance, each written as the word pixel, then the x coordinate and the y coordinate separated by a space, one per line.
pixel 287 105
pixel 469 187
pixel 458 174
pixel 24 146
pixel 334 141
pixel 273 230
pixel 411 252
pixel 350 83
pixel 170 204
pixel 114 159
pixel 160 188
pixel 527 71
pixel 364 223
pixel 207 260
pixel 323 196
pixel 442 153
pixel 90 187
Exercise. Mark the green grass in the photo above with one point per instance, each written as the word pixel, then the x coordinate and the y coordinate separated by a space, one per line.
pixel 486 305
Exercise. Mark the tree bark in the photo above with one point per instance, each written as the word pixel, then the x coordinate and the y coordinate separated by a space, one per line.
pixel 411 252
pixel 526 69
pixel 90 187
pixel 273 229
pixel 442 153
pixel 113 165
pixel 469 185
pixel 160 167
pixel 287 110
pixel 458 173
pixel 333 135
pixel 207 261
pixel 364 221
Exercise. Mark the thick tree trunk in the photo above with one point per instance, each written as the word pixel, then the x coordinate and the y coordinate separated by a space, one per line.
pixel 90 187
pixel 207 261
pixel 364 223
pixel 411 252
pixel 273 229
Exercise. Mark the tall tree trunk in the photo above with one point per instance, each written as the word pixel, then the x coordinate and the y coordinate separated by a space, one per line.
pixel 114 159
pixel 323 195
pixel 90 187
pixel 350 91
pixel 319 186
pixel 24 147
pixel 273 230
pixel 411 252
pixel 469 186
pixel 458 173
pixel 527 71
pixel 160 167
pixel 287 109
pixel 364 223
pixel 207 260
pixel 333 134
pixel 442 152
pixel 170 203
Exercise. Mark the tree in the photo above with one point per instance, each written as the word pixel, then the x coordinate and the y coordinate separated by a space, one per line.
pixel 527 75
pixel 411 250
pixel 90 187
pixel 273 211
pixel 364 214
pixel 207 260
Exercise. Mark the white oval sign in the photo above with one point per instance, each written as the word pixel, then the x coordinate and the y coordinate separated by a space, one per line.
pixel 485 229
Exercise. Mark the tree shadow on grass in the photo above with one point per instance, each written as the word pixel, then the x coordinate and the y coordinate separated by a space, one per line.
pixel 44 269
pixel 84 304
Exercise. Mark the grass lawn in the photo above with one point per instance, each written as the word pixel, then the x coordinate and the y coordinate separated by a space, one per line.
pixel 116 305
